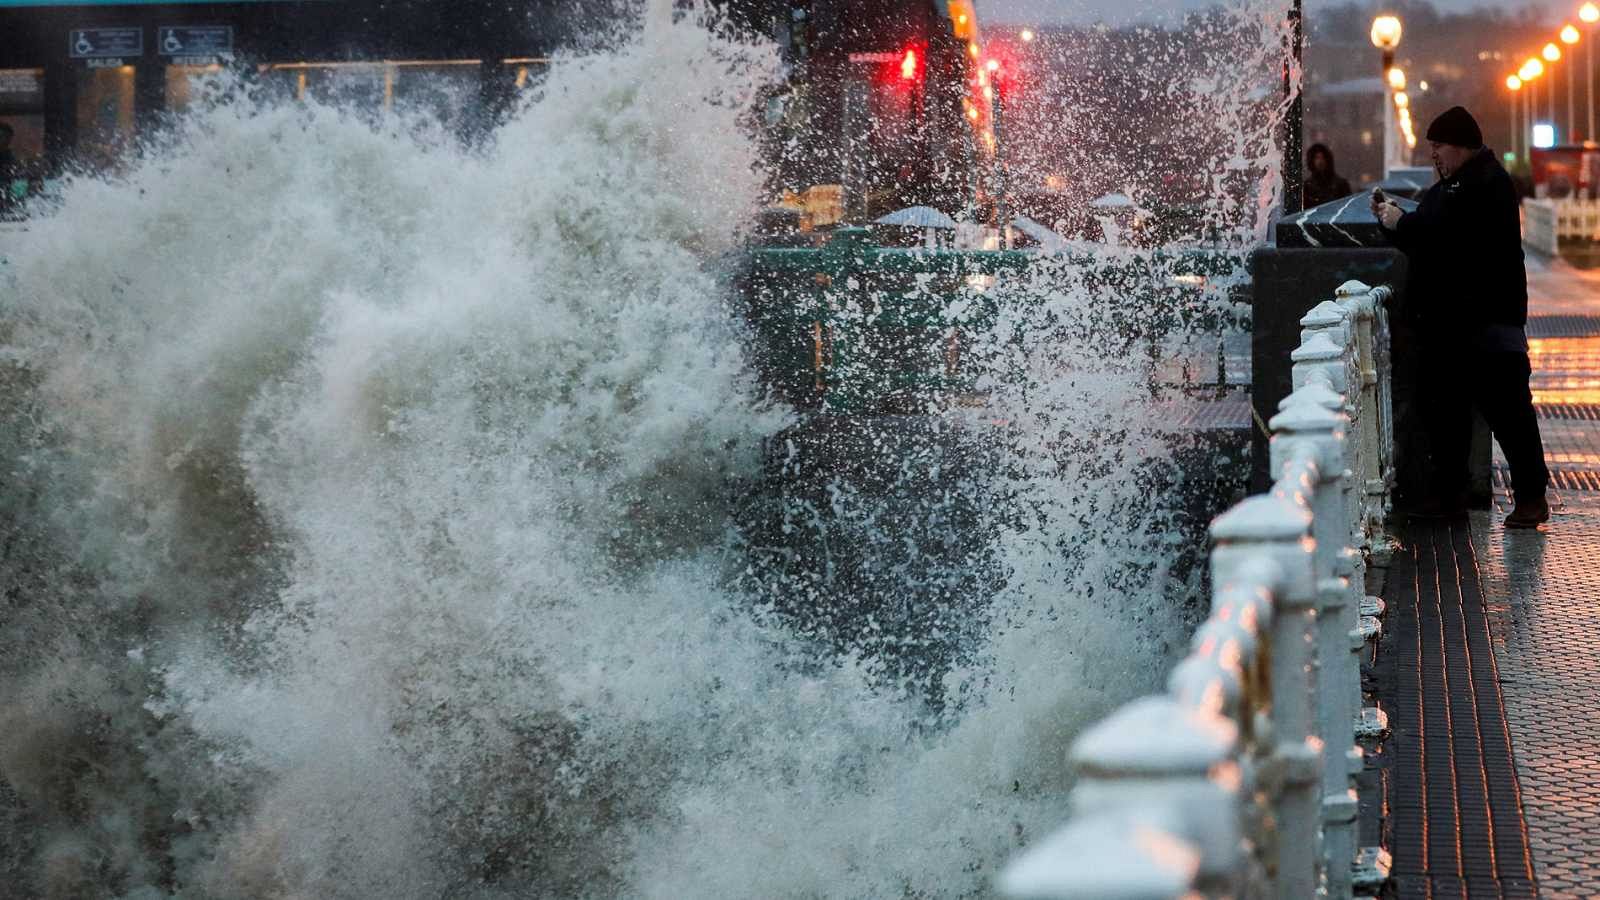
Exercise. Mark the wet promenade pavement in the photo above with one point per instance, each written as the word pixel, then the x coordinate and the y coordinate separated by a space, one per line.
pixel 1489 666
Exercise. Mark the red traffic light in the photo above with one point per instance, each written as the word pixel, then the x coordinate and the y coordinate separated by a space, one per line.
pixel 908 66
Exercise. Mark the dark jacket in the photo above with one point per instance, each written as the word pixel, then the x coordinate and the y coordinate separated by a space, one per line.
pixel 1464 246
pixel 1317 189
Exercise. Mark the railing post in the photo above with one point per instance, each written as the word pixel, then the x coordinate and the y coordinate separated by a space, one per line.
pixel 1368 326
pixel 1275 530
pixel 1307 422
pixel 1155 813
pixel 1324 357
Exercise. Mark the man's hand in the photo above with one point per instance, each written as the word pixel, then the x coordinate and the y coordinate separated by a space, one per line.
pixel 1389 214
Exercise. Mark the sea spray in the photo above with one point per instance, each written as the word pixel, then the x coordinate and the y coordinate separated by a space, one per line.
pixel 373 528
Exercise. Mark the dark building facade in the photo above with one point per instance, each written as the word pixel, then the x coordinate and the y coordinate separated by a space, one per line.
pixel 79 81
pixel 883 104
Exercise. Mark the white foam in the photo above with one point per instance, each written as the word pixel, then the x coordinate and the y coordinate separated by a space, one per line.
pixel 406 468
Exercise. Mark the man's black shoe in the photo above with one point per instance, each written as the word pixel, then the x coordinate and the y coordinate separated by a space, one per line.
pixel 1529 514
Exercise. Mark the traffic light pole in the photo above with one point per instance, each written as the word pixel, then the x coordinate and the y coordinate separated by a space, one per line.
pixel 1294 126
pixel 997 108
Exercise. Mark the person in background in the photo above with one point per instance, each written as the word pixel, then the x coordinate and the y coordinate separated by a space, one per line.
pixel 1323 182
pixel 1467 295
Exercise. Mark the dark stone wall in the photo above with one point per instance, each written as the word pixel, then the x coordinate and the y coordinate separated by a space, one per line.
pixel 1287 283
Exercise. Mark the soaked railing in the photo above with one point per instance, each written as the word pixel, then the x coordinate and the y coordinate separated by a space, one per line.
pixel 1237 781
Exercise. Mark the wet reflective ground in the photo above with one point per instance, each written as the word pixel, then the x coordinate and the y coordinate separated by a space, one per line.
pixel 1564 332
pixel 1542 591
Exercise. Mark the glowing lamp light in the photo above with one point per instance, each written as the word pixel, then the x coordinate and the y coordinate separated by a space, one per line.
pixel 972 49
pixel 1544 135
pixel 1027 35
pixel 1589 13
pixel 908 66
pixel 1386 32
pixel 1532 69
pixel 992 65
pixel 1397 78
pixel 1551 52
pixel 1513 82
pixel 1401 99
pixel 1569 35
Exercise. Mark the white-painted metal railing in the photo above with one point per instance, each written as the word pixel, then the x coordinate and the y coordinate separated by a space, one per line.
pixel 1237 781
pixel 1547 221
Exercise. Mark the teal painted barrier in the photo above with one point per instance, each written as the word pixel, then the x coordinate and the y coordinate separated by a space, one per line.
pixel 853 327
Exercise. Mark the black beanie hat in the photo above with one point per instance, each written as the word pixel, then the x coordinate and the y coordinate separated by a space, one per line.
pixel 1456 126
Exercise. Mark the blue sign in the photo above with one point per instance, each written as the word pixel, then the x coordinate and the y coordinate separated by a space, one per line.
pixel 100 43
pixel 195 40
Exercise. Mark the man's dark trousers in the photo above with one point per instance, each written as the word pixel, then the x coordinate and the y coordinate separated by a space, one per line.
pixel 1455 379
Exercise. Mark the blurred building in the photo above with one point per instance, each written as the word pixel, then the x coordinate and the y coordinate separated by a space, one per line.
pixel 1347 117
pixel 79 81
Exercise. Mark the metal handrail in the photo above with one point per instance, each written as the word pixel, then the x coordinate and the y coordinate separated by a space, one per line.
pixel 1237 780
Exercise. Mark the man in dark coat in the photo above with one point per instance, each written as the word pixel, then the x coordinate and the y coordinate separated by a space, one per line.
pixel 1467 296
pixel 1322 182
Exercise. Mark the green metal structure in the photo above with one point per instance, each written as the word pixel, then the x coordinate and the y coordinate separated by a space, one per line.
pixel 852 327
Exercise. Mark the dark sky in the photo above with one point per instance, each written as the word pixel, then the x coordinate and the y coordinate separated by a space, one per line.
pixel 993 12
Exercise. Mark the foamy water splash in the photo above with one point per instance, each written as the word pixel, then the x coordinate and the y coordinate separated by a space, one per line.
pixel 374 533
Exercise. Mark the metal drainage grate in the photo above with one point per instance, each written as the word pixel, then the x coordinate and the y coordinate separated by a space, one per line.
pixel 1563 326
pixel 1589 412
pixel 1564 479
pixel 1231 414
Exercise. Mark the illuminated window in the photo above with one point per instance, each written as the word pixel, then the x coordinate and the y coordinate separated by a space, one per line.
pixel 105 113
pixel 22 98
pixel 182 82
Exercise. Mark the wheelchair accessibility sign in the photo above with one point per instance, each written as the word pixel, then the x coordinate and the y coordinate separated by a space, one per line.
pixel 102 43
pixel 213 41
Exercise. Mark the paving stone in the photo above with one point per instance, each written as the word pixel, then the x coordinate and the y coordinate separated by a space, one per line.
pixel 1542 591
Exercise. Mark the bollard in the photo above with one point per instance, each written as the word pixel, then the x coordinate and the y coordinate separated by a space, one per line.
pixel 1322 365
pixel 1308 424
pixel 1109 858
pixel 1321 354
pixel 1170 767
pixel 1155 811
pixel 1272 533
pixel 1326 317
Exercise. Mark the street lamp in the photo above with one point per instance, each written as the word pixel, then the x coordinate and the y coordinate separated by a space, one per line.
pixel 1514 84
pixel 1590 14
pixel 1386 33
pixel 1569 36
pixel 1386 37
pixel 1397 79
pixel 1552 53
pixel 1531 70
